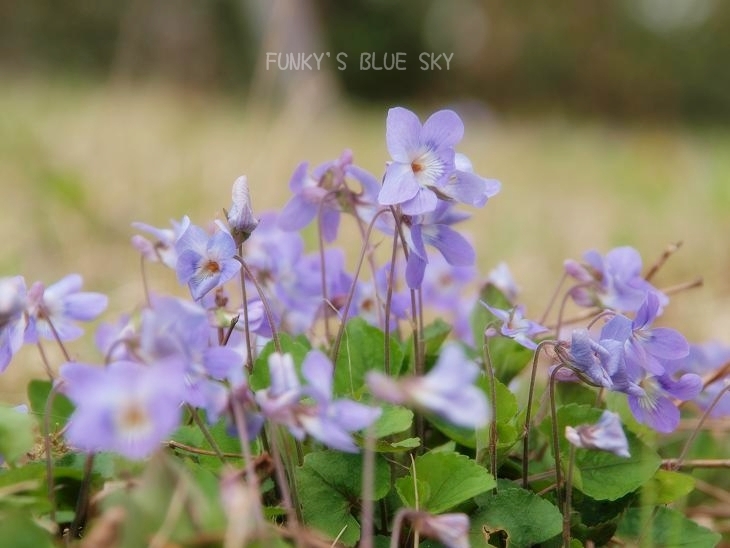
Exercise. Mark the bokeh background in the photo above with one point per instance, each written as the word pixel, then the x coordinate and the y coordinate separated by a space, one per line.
pixel 606 121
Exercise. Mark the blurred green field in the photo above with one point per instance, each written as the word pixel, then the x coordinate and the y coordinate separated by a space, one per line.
pixel 78 164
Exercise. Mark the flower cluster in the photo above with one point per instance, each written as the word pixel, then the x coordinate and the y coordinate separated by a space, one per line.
pixel 280 343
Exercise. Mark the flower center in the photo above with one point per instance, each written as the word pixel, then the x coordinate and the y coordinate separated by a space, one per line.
pixel 212 267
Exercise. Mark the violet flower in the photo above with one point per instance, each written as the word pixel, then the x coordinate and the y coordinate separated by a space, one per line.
pixel 516 326
pixel 325 192
pixel 329 421
pixel 447 390
pixel 656 407
pixel 647 349
pixel 434 229
pixel 12 318
pixel 127 407
pixel 205 262
pixel 163 247
pixel 606 435
pixel 58 307
pixel 613 281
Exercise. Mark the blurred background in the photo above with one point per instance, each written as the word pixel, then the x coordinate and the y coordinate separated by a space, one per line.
pixel 606 121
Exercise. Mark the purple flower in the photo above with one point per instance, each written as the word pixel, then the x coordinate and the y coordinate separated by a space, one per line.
pixel 423 158
pixel 647 349
pixel 447 390
pixel 451 530
pixel 710 359
pixel 467 187
pixel 163 247
pixel 325 192
pixel 127 407
pixel 205 262
pixel 59 306
pixel 434 229
pixel 656 406
pixel 12 318
pixel 613 281
pixel 606 435
pixel 241 219
pixel 516 326
pixel 600 363
pixel 501 278
pixel 330 422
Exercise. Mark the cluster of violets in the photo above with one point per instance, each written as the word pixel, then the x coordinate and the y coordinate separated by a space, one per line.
pixel 198 353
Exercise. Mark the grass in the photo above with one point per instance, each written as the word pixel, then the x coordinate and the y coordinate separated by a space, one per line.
pixel 79 164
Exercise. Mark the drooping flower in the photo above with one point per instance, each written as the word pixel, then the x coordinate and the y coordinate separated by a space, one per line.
pixel 434 229
pixel 606 435
pixel 516 326
pixel 613 281
pixel 58 307
pixel 326 192
pixel 163 247
pixel 447 390
pixel 241 219
pixel 205 262
pixel 288 403
pixel 451 530
pixel 12 318
pixel 127 407
pixel 656 407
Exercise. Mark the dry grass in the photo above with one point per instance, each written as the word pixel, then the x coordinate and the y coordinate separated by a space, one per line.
pixel 77 165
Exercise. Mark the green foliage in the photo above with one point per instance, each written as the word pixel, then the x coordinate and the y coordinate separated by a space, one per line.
pixel 362 350
pixel 521 517
pixel 61 408
pixel 330 487
pixel 296 346
pixel 16 433
pixel 600 474
pixel 441 481
pixel 661 526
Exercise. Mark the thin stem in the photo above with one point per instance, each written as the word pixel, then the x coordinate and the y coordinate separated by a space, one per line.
pixel 172 444
pixel 49 449
pixel 528 412
pixel 323 270
pixel 555 435
pixel 568 497
pixel 264 301
pixel 388 303
pixel 696 431
pixel 206 433
pixel 346 309
pixel 44 360
pixel 563 302
pixel 283 482
pixel 676 464
pixel 670 250
pixel 489 370
pixel 145 283
pixel 553 298
pixel 251 477
pixel 246 326
pixel 82 503
pixel 400 515
pixel 371 262
pixel 368 481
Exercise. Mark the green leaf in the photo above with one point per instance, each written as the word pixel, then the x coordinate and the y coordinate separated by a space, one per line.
pixel 297 347
pixel 330 487
pixel 667 486
pixel 600 474
pixel 393 420
pixel 665 527
pixel 61 407
pixel 451 479
pixel 362 351
pixel 16 433
pixel 526 518
pixel 19 530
